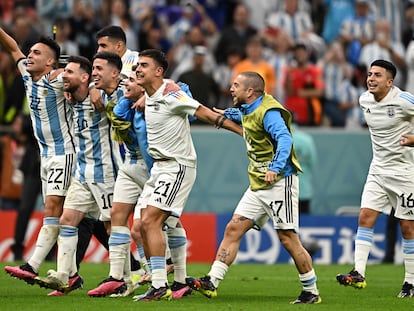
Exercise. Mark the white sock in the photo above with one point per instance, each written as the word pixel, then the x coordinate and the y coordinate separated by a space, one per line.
pixel 408 253
pixel 127 264
pixel 67 243
pixel 158 271
pixel 217 272
pixel 308 281
pixel 363 243
pixel 119 243
pixel 45 240
pixel 177 241
pixel 142 258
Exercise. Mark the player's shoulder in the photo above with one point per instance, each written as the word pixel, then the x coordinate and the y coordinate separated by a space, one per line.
pixel 406 97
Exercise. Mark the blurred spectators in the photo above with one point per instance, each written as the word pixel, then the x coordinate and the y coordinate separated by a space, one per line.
pixel 393 12
pixel 336 12
pixel 358 30
pixel 335 70
pixel 255 61
pixel 49 11
pixel 235 35
pixel 297 23
pixel 383 47
pixel 223 75
pixel 279 56
pixel 12 92
pixel 30 167
pixel 119 16
pixel 260 9
pixel 86 20
pixel 12 148
pixel 409 59
pixel 181 55
pixel 24 32
pixel 304 88
pixel 63 31
pixel 202 85
pixel 349 95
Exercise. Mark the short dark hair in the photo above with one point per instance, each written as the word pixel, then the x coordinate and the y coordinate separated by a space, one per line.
pixel 388 66
pixel 113 32
pixel 83 62
pixel 52 45
pixel 254 81
pixel 157 55
pixel 111 58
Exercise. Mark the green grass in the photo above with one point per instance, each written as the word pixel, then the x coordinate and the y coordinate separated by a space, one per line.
pixel 246 287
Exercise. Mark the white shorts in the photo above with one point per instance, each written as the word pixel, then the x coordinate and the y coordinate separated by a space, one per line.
pixel 92 199
pixel 168 189
pixel 56 173
pixel 130 182
pixel 381 193
pixel 280 203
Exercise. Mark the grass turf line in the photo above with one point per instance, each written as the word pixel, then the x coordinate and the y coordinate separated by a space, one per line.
pixel 247 287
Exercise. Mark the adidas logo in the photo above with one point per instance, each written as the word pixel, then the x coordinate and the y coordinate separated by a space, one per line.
pixel 158 200
pixel 409 213
pixel 56 187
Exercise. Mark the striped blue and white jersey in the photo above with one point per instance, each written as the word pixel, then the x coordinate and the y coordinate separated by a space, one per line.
pixel 387 121
pixel 114 97
pixel 109 102
pixel 95 155
pixel 51 115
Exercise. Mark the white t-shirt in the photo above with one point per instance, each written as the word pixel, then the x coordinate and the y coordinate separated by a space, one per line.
pixel 168 128
pixel 387 121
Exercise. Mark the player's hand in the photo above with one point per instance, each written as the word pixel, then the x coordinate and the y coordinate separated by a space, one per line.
pixel 270 177
pixel 407 140
pixel 96 100
pixel 171 86
pixel 139 104
pixel 220 111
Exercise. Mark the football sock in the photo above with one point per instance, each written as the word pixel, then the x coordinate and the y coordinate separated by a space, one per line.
pixel 177 241
pixel 308 281
pixel 119 244
pixel 408 253
pixel 363 243
pixel 67 244
pixel 217 272
pixel 45 240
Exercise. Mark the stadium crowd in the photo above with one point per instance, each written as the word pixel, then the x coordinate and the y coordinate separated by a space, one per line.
pixel 313 54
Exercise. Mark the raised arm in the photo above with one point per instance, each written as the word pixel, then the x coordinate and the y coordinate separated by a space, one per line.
pixel 10 45
pixel 209 116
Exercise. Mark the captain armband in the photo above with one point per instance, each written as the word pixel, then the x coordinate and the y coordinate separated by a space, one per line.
pixel 218 123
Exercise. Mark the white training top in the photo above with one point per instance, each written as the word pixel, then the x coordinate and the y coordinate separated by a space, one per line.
pixel 168 128
pixel 95 157
pixel 50 113
pixel 387 121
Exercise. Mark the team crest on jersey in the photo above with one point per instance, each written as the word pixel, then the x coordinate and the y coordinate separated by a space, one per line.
pixel 391 111
pixel 45 92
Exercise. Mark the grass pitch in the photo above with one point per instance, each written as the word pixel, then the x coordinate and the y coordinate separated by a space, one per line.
pixel 246 287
